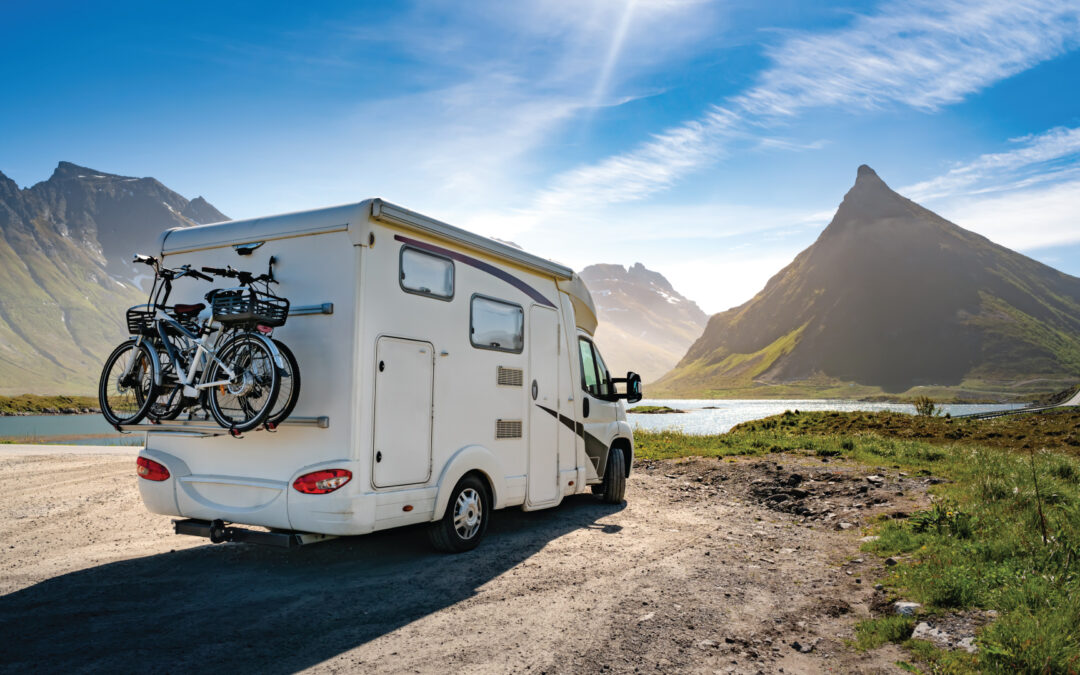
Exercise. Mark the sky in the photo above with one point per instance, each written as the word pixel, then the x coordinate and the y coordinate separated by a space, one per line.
pixel 709 140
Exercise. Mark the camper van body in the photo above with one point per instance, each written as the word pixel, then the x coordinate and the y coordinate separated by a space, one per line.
pixel 402 384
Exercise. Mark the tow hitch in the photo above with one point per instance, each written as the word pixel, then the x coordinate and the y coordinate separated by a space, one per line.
pixel 218 532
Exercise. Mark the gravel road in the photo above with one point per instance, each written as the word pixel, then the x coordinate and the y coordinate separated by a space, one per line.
pixel 709 566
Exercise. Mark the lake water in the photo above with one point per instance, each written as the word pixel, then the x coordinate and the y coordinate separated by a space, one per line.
pixel 722 415
pixel 64 429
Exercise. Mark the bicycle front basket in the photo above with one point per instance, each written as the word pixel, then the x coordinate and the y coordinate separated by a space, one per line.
pixel 140 320
pixel 249 307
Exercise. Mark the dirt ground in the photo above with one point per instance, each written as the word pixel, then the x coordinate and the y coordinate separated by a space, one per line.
pixel 709 566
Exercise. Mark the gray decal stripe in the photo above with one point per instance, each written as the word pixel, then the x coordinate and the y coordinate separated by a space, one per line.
pixel 594 447
pixel 480 265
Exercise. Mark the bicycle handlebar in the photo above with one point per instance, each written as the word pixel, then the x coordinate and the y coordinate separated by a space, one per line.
pixel 246 278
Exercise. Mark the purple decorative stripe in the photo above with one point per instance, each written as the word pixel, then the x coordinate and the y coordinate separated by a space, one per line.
pixel 480 265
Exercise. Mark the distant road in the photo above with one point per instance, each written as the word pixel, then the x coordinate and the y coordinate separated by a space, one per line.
pixel 21 450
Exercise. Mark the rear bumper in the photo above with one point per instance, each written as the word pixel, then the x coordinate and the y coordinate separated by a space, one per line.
pixel 275 505
pixel 218 532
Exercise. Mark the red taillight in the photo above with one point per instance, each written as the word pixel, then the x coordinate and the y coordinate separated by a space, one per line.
pixel 321 482
pixel 151 470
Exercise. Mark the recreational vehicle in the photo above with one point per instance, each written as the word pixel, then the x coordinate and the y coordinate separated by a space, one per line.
pixel 445 376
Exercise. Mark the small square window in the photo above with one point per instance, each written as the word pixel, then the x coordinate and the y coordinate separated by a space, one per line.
pixel 426 274
pixel 495 324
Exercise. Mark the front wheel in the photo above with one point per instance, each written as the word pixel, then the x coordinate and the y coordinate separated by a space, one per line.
pixel 466 517
pixel 126 389
pixel 613 488
pixel 241 402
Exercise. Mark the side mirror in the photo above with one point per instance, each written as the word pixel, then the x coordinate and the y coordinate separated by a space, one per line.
pixel 633 387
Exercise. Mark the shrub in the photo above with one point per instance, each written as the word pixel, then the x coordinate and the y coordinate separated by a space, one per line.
pixel 925 407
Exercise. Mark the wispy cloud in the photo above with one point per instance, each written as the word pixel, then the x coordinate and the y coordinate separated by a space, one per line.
pixel 1025 198
pixel 1037 158
pixel 914 53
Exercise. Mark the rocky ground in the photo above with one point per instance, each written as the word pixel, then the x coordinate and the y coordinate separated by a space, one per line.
pixel 740 566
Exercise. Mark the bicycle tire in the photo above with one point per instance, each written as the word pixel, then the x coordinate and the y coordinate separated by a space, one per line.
pixel 289 392
pixel 132 398
pixel 245 402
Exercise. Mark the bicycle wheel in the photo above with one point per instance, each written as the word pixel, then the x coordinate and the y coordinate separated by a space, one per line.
pixel 170 401
pixel 244 402
pixel 126 389
pixel 290 386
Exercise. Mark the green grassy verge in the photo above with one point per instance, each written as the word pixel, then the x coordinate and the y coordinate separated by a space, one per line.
pixel 38 405
pixel 652 410
pixel 982 545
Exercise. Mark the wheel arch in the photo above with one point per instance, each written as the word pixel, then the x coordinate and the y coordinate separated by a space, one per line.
pixel 626 445
pixel 472 459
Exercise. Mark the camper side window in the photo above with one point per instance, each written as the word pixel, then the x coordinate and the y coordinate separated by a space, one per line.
pixel 424 273
pixel 496 324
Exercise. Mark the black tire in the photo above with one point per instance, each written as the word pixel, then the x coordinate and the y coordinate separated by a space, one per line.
pixel 466 519
pixel 169 404
pixel 289 392
pixel 126 394
pixel 244 403
pixel 613 489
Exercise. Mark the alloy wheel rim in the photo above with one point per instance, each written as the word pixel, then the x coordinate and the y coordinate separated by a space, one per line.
pixel 468 513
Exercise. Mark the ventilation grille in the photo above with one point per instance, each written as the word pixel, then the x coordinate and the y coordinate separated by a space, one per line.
pixel 510 377
pixel 508 428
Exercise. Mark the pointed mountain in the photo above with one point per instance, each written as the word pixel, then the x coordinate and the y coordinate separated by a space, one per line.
pixel 644 324
pixel 890 297
pixel 65 271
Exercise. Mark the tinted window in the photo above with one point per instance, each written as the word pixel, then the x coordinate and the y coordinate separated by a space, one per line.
pixel 605 376
pixel 427 274
pixel 588 368
pixel 495 324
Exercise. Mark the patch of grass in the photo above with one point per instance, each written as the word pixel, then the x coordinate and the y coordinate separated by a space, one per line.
pixel 873 633
pixel 652 410
pixel 980 545
pixel 34 404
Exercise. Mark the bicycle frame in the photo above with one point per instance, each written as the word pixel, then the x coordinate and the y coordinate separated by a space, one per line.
pixel 200 358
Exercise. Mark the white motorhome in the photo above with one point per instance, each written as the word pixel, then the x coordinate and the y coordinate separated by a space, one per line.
pixel 445 375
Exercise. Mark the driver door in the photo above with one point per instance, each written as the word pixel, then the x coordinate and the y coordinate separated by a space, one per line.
pixel 598 411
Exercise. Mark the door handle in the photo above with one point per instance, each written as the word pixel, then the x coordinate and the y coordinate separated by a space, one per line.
pixel 382 366
pixel 378 456
pixel 585 407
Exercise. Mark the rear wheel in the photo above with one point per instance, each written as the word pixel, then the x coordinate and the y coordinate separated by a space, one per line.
pixel 466 519
pixel 126 389
pixel 613 489
pixel 243 401
pixel 290 386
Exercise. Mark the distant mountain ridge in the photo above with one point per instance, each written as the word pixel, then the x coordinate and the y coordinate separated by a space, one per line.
pixel 645 325
pixel 892 298
pixel 65 270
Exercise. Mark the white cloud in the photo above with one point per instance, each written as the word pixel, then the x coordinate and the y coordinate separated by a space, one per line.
pixel 1018 168
pixel 916 53
pixel 1024 219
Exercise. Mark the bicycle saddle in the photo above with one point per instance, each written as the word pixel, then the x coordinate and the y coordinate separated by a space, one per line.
pixel 189 309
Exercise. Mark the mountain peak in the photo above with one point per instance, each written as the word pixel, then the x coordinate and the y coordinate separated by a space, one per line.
pixel 67 170
pixel 866 177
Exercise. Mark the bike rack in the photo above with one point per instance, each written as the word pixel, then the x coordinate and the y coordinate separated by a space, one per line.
pixel 304 310
pixel 206 428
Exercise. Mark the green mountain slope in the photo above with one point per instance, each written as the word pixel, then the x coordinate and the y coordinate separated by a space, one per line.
pixel 893 299
pixel 65 272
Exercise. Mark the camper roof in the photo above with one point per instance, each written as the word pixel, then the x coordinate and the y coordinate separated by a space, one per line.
pixel 350 218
